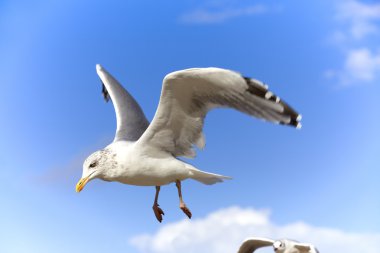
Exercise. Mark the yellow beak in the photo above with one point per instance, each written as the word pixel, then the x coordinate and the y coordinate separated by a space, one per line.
pixel 82 182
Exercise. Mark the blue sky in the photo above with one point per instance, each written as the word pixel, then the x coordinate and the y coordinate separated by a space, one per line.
pixel 322 57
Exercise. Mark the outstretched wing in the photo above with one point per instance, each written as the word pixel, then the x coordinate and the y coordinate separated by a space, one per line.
pixel 131 121
pixel 188 95
pixel 252 244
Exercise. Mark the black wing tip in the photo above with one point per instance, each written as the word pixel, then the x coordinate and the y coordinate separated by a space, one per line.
pixel 293 122
pixel 295 117
pixel 260 89
pixel 105 93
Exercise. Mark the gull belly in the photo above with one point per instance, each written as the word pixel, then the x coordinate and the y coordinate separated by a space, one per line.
pixel 135 168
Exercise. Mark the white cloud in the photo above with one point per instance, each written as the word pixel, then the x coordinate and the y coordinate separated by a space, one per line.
pixel 224 230
pixel 361 17
pixel 203 16
pixel 361 66
pixel 358 23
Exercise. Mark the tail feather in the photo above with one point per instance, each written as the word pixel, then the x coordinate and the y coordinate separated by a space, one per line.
pixel 206 177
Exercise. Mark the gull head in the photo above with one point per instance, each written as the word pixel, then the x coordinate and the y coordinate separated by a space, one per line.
pixel 279 246
pixel 93 167
pixel 285 246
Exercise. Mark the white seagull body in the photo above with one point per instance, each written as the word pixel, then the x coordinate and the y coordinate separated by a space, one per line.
pixel 145 154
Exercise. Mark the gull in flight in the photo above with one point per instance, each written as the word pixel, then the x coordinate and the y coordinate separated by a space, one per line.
pixel 145 154
pixel 290 246
pixel 279 246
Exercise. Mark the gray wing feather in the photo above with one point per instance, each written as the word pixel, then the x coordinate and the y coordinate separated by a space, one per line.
pixel 188 95
pixel 131 121
pixel 254 243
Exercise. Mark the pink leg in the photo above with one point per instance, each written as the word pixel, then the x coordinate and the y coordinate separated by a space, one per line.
pixel 156 209
pixel 182 204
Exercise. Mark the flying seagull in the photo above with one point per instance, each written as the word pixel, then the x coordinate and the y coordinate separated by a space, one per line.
pixel 279 246
pixel 146 154
pixel 254 243
pixel 290 246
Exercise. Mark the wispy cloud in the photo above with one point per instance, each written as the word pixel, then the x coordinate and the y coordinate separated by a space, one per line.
pixel 224 230
pixel 206 16
pixel 358 23
pixel 360 17
pixel 361 66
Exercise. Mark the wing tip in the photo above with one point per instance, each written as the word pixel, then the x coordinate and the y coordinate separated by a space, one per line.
pixel 295 122
pixel 298 120
pixel 98 67
pixel 260 89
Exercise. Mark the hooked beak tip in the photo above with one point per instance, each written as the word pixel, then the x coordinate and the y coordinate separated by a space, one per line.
pixel 80 185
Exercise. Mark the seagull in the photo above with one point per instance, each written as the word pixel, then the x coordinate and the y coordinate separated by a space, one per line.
pixel 279 246
pixel 254 243
pixel 290 246
pixel 146 154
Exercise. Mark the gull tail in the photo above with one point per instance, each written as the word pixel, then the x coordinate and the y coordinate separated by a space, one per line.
pixel 206 177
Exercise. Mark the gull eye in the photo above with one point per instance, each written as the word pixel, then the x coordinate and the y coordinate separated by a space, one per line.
pixel 92 165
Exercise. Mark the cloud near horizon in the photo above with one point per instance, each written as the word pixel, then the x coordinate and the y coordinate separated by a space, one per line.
pixel 224 230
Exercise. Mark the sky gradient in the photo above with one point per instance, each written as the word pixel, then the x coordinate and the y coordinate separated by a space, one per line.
pixel 322 57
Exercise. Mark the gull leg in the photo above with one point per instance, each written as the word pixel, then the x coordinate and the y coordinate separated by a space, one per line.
pixel 182 204
pixel 156 209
